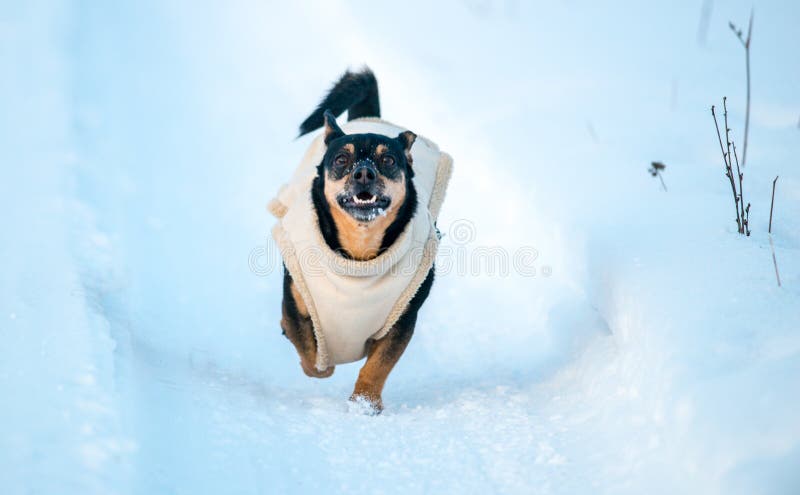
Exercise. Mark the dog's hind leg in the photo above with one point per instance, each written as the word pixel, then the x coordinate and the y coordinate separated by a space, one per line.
pixel 383 354
pixel 298 328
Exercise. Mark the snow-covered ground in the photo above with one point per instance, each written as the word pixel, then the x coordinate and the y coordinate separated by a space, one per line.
pixel 650 352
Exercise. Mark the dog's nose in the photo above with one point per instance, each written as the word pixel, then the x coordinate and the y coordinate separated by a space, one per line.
pixel 364 174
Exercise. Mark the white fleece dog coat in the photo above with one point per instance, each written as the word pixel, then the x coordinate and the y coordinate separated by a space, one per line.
pixel 351 301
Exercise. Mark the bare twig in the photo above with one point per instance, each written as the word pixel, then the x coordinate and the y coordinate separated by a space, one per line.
pixel 746 44
pixel 745 211
pixel 736 196
pixel 775 261
pixel 747 108
pixel 726 159
pixel 771 245
pixel 655 170
pixel 772 204
pixel 746 220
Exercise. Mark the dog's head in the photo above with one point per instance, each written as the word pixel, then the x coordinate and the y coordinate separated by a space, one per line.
pixel 366 176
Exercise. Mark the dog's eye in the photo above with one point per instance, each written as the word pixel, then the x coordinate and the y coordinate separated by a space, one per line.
pixel 387 160
pixel 341 159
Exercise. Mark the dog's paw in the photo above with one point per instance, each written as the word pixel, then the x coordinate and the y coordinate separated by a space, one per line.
pixel 312 371
pixel 361 404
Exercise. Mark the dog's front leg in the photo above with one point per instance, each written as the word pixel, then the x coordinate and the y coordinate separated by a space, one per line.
pixel 382 355
pixel 301 334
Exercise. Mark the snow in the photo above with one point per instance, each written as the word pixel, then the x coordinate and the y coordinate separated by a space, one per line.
pixel 634 343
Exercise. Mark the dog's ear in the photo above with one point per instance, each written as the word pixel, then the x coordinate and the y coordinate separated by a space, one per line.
pixel 332 129
pixel 407 139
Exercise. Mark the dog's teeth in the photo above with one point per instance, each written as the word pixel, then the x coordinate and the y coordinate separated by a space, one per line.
pixel 364 201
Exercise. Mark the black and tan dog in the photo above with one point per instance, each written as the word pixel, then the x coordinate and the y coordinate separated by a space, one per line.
pixel 363 197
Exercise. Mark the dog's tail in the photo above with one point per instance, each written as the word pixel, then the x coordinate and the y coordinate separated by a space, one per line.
pixel 356 92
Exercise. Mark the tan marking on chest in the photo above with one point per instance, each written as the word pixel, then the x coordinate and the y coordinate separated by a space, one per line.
pixel 362 241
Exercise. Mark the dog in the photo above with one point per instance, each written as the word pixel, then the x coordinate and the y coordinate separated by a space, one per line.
pixel 365 205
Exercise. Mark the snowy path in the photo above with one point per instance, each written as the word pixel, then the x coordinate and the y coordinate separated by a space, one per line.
pixel 651 353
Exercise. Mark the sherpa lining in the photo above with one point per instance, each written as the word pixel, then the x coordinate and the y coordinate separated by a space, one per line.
pixel 279 209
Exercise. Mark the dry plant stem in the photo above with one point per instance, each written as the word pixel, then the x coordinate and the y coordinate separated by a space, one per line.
pixel 727 169
pixel 771 245
pixel 772 204
pixel 662 182
pixel 747 109
pixel 774 261
pixel 736 196
pixel 747 220
pixel 746 44
pixel 745 211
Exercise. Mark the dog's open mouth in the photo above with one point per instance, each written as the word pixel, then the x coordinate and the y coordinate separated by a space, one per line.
pixel 364 206
pixel 365 198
